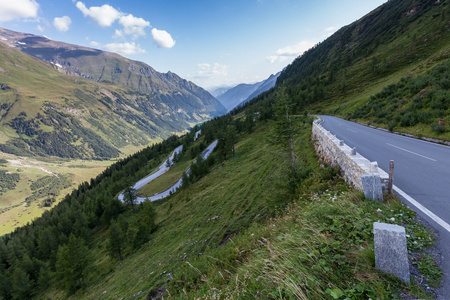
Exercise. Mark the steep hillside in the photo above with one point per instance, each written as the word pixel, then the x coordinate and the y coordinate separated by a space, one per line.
pixel 398 39
pixel 418 105
pixel 239 229
pixel 101 66
pixel 47 113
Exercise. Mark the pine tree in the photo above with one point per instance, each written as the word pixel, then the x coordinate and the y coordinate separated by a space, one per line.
pixel 44 277
pixel 185 180
pixel 47 242
pixel 129 197
pixel 72 263
pixel 3 253
pixel 123 223
pixel 80 227
pixel 283 128
pixel 141 237
pixel 231 138
pixel 5 285
pixel 116 239
pixel 149 215
pixel 22 286
pixel 249 120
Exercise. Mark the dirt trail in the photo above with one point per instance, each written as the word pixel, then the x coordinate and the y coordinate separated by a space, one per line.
pixel 29 164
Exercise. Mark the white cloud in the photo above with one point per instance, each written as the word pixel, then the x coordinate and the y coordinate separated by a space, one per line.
pixel 62 24
pixel 95 44
pixel 104 15
pixel 205 70
pixel 291 52
pixel 118 34
pixel 124 48
pixel 133 26
pixel 10 10
pixel 162 38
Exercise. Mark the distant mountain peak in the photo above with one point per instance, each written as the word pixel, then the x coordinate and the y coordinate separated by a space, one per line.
pixel 244 92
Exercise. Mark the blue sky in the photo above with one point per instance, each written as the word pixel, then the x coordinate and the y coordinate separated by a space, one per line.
pixel 209 42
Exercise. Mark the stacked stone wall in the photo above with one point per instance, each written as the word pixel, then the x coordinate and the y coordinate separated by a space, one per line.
pixel 335 152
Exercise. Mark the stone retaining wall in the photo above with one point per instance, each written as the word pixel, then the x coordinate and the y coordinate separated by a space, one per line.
pixel 353 165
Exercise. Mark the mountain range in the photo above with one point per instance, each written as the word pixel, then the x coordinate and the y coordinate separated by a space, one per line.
pixel 242 93
pixel 95 102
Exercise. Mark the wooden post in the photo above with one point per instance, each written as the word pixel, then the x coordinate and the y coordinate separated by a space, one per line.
pixel 391 176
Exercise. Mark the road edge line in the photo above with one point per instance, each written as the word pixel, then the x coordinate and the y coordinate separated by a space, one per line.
pixel 422 208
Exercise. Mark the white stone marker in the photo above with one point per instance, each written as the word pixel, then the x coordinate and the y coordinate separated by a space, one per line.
pixel 374 167
pixel 372 187
pixel 391 253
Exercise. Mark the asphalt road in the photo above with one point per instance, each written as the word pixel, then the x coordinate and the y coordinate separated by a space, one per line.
pixel 161 170
pixel 421 175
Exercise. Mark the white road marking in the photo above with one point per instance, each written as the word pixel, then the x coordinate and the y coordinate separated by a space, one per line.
pixel 411 152
pixel 422 208
pixel 351 130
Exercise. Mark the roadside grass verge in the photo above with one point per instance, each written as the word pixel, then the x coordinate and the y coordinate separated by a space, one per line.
pixel 320 247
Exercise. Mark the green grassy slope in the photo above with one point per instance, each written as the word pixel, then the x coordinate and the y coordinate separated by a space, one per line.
pixel 419 105
pixel 396 40
pixel 47 113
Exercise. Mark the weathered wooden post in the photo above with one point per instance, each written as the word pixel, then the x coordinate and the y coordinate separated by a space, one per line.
pixel 391 177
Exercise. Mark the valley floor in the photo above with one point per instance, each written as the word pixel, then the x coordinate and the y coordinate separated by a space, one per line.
pixel 16 210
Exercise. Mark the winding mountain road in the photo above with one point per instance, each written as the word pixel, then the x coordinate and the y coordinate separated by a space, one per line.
pixel 161 170
pixel 421 175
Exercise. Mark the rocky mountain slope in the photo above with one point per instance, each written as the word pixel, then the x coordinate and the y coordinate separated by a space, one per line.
pixel 44 112
pixel 102 66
